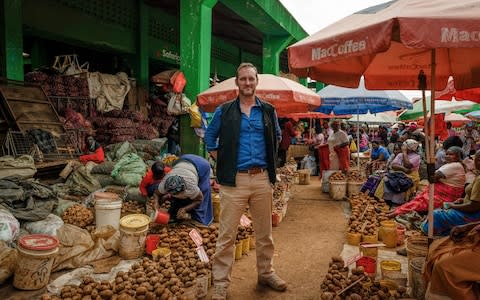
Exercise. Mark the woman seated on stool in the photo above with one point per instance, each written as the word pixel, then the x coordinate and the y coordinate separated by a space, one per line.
pixel 379 158
pixel 461 211
pixel 94 151
pixel 449 185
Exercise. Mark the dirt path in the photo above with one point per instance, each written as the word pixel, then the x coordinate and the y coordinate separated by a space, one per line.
pixel 311 233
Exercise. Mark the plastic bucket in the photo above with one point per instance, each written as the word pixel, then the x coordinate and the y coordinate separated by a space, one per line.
pixel 133 233
pixel 388 267
pixel 245 245
pixel 160 216
pixel 389 233
pixel 369 264
pixel 338 190
pixel 385 223
pixel 415 273
pixel 107 212
pixel 370 238
pixel 36 253
pixel 252 242
pixel 304 177
pixel 151 243
pixel 368 251
pixel 354 187
pixel 325 176
pixel 354 239
pixel 238 249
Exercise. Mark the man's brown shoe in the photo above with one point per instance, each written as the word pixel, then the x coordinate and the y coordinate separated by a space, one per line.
pixel 274 282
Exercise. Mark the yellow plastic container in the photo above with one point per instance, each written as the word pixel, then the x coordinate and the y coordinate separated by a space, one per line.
pixel 354 239
pixel 252 242
pixel 161 252
pixel 368 251
pixel 370 238
pixel 388 267
pixel 389 233
pixel 238 249
pixel 245 245
pixel 216 208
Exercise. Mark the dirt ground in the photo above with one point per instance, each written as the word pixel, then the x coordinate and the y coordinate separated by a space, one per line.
pixel 312 231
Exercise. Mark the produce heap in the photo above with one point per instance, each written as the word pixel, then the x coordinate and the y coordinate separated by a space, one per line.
pixel 367 213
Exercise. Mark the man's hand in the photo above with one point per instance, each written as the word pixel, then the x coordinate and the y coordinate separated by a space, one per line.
pixel 181 213
pixel 213 154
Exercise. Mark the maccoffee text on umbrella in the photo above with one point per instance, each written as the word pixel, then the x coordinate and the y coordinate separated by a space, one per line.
pixel 349 46
pixel 454 35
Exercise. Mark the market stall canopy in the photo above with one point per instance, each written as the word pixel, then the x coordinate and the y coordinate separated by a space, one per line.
pixel 359 100
pixel 316 115
pixel 286 95
pixel 380 118
pixel 441 106
pixel 474 114
pixel 457 120
pixel 451 92
pixel 390 43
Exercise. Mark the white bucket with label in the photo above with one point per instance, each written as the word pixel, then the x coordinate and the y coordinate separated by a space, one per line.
pixel 36 253
pixel 108 207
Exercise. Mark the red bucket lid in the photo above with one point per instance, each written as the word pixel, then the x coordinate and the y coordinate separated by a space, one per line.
pixel 38 242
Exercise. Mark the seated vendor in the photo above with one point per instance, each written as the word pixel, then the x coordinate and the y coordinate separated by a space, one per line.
pixel 94 151
pixel 379 158
pixel 152 179
pixel 451 269
pixel 187 186
pixel 449 185
pixel 461 211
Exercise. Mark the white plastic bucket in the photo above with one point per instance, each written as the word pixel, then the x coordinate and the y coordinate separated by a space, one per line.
pixel 338 190
pixel 354 187
pixel 36 253
pixel 325 176
pixel 132 243
pixel 107 212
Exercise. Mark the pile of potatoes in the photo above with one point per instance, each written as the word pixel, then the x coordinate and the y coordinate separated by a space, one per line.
pixel 337 176
pixel 336 278
pixel 78 215
pixel 355 176
pixel 132 207
pixel 176 238
pixel 366 210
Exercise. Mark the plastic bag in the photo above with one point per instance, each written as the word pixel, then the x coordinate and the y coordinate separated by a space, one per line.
pixel 47 226
pixel 195 116
pixel 178 82
pixel 129 170
pixel 308 162
pixel 8 258
pixel 353 146
pixel 178 104
pixel 9 226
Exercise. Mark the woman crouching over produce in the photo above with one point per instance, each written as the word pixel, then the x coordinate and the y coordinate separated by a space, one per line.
pixel 187 186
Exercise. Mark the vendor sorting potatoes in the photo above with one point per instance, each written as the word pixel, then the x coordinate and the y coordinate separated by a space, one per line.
pixel 187 186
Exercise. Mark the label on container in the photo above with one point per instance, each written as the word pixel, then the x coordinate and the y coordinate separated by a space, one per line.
pixel 245 221
pixel 353 259
pixel 202 254
pixel 196 237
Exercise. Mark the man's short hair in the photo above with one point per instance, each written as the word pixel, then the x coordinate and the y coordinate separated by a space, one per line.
pixel 246 65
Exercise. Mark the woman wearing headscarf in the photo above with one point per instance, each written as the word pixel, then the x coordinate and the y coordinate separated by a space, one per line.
pixel 338 147
pixel 460 212
pixel 407 162
pixel 187 186
pixel 94 151
pixel 449 185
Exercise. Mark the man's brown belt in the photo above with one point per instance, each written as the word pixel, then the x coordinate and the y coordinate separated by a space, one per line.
pixel 252 171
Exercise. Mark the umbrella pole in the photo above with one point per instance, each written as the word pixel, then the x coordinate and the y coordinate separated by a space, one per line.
pixel 358 139
pixel 430 158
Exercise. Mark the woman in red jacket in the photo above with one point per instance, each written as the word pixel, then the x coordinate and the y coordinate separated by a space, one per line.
pixel 152 179
pixel 94 150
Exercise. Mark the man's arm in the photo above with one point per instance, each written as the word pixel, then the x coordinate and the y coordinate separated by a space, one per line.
pixel 278 131
pixel 212 132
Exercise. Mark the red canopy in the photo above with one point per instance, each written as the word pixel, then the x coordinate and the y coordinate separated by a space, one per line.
pixel 390 43
pixel 286 95
pixel 316 115
pixel 449 92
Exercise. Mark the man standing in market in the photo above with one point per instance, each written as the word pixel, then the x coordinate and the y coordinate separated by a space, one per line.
pixel 248 135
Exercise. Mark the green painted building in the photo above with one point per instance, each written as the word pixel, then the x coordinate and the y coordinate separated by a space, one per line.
pixel 203 38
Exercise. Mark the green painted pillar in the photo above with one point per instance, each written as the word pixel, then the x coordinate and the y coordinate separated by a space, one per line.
pixel 195 55
pixel 319 85
pixel 272 47
pixel 142 53
pixel 12 39
pixel 38 54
